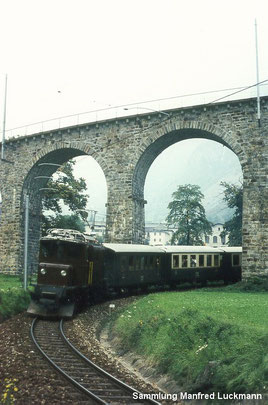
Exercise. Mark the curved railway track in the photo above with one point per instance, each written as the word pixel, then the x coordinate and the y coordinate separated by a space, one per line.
pixel 96 385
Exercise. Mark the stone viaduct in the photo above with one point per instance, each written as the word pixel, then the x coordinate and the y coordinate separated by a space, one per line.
pixel 125 148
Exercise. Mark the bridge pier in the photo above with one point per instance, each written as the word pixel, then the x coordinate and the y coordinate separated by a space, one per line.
pixel 255 221
pixel 125 211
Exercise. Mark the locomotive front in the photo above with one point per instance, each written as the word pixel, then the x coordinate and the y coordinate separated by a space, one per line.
pixel 61 284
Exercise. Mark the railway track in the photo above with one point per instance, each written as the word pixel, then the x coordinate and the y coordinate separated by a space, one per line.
pixel 95 384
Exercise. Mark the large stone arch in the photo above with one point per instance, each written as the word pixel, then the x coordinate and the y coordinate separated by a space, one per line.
pixel 162 139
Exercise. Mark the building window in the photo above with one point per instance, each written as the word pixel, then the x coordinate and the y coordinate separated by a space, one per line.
pixel 215 239
pixel 207 239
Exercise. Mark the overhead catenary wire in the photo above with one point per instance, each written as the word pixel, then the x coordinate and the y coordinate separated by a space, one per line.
pixel 121 106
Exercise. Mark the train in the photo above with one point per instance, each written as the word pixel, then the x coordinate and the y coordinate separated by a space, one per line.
pixel 75 270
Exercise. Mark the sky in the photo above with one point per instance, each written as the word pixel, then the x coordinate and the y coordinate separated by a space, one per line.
pixel 64 57
pixel 68 56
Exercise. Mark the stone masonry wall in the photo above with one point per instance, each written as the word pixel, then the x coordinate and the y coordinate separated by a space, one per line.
pixel 125 149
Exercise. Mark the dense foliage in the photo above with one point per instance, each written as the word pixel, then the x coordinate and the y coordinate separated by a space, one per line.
pixel 187 215
pixel 64 189
pixel 67 222
pixel 233 196
pixel 13 299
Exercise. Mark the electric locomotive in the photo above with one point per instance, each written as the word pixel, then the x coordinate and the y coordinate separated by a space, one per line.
pixel 65 273
pixel 75 270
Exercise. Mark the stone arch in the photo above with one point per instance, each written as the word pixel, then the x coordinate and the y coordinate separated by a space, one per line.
pixel 44 165
pixel 172 134
pixel 156 143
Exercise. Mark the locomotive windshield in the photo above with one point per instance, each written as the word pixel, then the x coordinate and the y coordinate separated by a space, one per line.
pixel 51 250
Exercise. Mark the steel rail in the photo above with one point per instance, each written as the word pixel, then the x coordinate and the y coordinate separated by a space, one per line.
pixel 101 370
pixel 67 376
pixel 110 378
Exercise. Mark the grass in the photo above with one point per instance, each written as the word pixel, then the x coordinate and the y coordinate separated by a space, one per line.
pixel 206 340
pixel 13 299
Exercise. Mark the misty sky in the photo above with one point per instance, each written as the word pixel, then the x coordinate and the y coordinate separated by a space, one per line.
pixel 65 57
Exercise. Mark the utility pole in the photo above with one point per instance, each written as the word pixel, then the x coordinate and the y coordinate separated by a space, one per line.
pixel 257 75
pixel 93 216
pixel 4 121
pixel 26 238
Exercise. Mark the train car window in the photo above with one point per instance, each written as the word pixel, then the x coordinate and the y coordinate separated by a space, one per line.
pixel 216 261
pixel 123 263
pixel 201 261
pixel 142 263
pixel 131 263
pixel 192 260
pixel 209 260
pixel 151 262
pixel 175 261
pixel 157 262
pixel 236 260
pixel 184 261
pixel 146 262
pixel 138 263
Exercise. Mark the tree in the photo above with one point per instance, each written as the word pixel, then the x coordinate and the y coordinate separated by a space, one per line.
pixel 67 190
pixel 188 216
pixel 67 222
pixel 233 196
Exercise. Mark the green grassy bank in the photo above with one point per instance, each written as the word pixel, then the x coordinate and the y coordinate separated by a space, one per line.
pixel 206 340
pixel 13 299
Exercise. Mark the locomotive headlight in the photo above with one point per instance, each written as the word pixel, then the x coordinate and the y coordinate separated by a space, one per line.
pixel 63 273
pixel 43 271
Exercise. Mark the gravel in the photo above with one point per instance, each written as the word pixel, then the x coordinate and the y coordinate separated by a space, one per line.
pixel 34 381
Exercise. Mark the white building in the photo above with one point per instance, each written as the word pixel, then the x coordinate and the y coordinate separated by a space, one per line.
pixel 215 239
pixel 160 235
pixel 157 234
